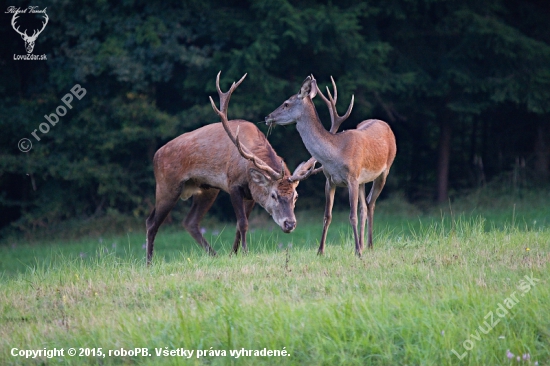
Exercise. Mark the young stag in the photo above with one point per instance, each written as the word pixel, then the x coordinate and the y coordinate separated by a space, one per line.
pixel 350 158
pixel 233 156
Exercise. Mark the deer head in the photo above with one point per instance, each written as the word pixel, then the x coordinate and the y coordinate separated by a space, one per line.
pixel 293 108
pixel 273 189
pixel 29 40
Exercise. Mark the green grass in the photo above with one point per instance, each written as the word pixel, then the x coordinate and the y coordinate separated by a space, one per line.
pixel 423 291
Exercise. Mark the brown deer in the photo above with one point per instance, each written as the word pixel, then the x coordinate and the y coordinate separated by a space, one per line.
pixel 350 158
pixel 233 156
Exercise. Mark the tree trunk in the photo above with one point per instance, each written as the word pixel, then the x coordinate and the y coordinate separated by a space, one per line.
pixel 542 152
pixel 444 154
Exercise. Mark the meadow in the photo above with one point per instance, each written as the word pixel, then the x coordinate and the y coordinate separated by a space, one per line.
pixel 442 286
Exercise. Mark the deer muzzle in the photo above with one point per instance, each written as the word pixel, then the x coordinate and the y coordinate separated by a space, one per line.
pixel 289 226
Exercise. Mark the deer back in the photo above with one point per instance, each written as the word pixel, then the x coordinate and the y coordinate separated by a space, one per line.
pixel 365 151
pixel 208 156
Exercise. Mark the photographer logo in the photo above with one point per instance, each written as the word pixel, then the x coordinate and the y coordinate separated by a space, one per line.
pixel 28 39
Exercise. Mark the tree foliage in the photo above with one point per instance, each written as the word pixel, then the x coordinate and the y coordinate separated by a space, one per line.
pixel 468 79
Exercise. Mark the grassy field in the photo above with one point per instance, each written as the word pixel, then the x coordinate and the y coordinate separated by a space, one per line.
pixel 442 287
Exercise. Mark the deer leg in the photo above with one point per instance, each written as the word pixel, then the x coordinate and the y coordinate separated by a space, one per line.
pixel 329 195
pixel 364 212
pixel 248 206
pixel 377 187
pixel 353 188
pixel 237 199
pixel 201 204
pixel 164 203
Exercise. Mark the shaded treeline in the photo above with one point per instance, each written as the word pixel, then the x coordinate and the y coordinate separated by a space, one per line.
pixel 465 85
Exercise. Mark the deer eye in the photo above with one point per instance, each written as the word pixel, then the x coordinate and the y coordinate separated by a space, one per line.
pixel 285 104
pixel 273 196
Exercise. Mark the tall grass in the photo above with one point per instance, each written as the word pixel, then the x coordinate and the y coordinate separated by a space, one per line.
pixel 423 291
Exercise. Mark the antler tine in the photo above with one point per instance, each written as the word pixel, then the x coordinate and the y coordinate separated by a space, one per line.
pixel 224 97
pixel 305 170
pixel 315 171
pixel 44 23
pixel 336 120
pixel 332 101
pixel 348 112
pixel 330 108
pixel 224 102
pixel 222 112
pixel 13 19
pixel 335 89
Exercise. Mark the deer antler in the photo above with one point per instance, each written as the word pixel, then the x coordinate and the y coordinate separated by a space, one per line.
pixel 13 19
pixel 304 170
pixel 43 26
pixel 336 120
pixel 36 33
pixel 245 153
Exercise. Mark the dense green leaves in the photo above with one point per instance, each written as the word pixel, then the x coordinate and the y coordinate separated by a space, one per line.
pixel 479 70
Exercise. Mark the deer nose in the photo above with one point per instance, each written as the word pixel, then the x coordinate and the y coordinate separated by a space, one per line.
pixel 268 120
pixel 289 225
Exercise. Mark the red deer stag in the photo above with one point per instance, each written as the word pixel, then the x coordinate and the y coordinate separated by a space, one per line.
pixel 231 156
pixel 350 158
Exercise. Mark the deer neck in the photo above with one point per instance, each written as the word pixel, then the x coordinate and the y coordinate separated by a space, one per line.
pixel 318 141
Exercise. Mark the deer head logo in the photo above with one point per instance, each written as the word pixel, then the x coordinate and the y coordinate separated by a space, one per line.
pixel 29 40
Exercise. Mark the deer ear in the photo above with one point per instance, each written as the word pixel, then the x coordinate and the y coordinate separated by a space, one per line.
pixel 258 177
pixel 313 89
pixel 306 88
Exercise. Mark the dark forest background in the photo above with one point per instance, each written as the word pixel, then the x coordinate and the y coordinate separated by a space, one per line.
pixel 465 85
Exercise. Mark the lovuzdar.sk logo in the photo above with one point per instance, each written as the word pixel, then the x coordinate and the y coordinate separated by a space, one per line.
pixel 29 39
